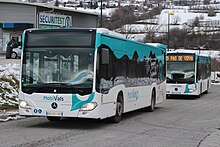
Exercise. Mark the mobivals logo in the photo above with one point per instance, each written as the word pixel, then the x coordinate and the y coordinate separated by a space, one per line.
pixel 53 98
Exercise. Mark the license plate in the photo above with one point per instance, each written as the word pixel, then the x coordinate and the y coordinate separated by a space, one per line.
pixel 176 92
pixel 53 113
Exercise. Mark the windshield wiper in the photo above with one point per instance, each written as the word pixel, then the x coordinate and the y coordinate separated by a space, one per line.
pixel 48 85
pixel 169 80
pixel 55 85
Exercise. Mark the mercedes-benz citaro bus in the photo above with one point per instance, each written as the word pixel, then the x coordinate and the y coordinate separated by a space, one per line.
pixel 89 73
pixel 188 73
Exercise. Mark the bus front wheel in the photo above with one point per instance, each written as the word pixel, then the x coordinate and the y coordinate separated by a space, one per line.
pixel 152 103
pixel 119 110
pixel 51 118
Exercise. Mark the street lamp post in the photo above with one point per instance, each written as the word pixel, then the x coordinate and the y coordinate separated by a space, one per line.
pixel 201 33
pixel 168 31
pixel 101 15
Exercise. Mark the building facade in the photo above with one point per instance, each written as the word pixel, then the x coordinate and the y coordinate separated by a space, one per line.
pixel 15 17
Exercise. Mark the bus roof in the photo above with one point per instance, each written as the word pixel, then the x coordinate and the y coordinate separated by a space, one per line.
pixel 107 31
pixel 189 52
pixel 103 31
pixel 158 45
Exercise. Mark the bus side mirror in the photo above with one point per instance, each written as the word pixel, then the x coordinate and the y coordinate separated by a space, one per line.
pixel 105 56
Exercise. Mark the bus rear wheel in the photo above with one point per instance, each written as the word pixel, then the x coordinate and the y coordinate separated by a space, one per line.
pixel 119 110
pixel 200 92
pixel 52 118
pixel 152 103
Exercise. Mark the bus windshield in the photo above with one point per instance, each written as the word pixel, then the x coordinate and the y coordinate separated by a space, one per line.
pixel 53 67
pixel 181 72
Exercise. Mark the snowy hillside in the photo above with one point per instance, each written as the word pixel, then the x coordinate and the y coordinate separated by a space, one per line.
pixel 183 15
pixel 182 18
pixel 9 82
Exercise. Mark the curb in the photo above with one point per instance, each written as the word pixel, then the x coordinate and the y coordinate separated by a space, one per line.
pixel 212 140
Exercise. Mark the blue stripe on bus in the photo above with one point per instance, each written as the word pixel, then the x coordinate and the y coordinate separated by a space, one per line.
pixel 186 89
pixel 23 36
pixel 122 47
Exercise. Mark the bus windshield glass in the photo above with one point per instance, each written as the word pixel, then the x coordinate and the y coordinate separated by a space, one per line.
pixel 181 72
pixel 50 67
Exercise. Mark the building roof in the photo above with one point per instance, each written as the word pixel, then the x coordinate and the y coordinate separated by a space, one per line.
pixel 47 6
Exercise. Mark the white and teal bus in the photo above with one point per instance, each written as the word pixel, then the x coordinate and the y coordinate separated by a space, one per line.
pixel 188 73
pixel 89 73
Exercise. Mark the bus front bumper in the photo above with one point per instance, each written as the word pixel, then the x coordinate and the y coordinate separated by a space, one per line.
pixel 99 112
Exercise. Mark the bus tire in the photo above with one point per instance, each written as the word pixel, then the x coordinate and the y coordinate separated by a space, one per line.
pixel 206 92
pixel 52 118
pixel 152 102
pixel 200 93
pixel 119 109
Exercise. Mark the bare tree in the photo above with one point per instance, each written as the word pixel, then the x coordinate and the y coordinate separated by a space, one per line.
pixel 152 13
pixel 122 16
pixel 151 33
pixel 127 30
pixel 196 22
pixel 56 3
pixel 215 65
pixel 176 20
pixel 211 12
pixel 206 2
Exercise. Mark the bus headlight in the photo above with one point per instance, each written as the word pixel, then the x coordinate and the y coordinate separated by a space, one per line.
pixel 191 90
pixel 24 105
pixel 89 106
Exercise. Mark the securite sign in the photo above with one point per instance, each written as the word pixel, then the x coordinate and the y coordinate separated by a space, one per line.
pixel 50 20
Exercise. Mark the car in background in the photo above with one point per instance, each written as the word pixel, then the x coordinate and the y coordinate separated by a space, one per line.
pixel 16 53
pixel 215 76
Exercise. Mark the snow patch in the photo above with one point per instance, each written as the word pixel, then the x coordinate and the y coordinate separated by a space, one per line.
pixel 9 77
pixel 11 118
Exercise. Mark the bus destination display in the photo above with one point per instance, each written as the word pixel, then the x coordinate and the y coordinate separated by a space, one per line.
pixel 180 58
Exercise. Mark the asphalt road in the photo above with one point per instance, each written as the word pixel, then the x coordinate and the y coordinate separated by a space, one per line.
pixel 178 122
pixel 3 60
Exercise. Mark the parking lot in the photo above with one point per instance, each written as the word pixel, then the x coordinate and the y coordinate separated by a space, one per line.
pixel 3 60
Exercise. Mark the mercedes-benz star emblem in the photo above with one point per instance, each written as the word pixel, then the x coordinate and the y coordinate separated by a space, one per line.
pixel 54 105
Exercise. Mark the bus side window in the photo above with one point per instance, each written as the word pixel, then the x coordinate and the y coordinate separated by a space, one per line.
pixel 103 63
pixel 104 70
pixel 120 67
pixel 199 71
pixel 131 66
